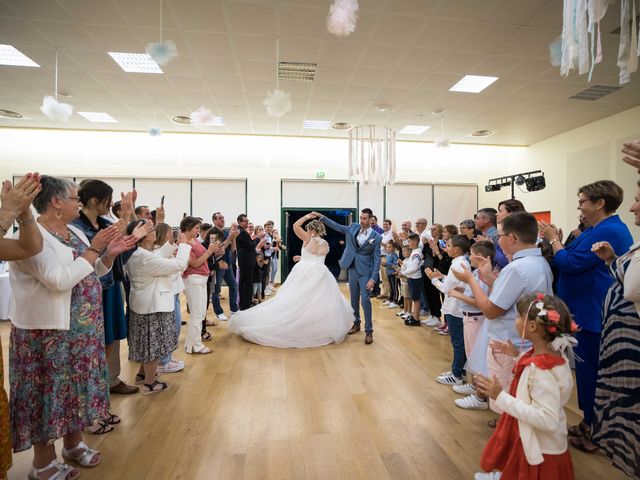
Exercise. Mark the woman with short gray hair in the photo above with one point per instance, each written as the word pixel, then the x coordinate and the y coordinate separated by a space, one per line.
pixel 57 368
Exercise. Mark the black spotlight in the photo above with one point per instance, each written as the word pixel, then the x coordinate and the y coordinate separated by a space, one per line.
pixel 492 188
pixel 535 184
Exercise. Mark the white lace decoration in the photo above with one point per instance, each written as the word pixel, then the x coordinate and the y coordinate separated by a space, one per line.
pixel 317 246
pixel 565 343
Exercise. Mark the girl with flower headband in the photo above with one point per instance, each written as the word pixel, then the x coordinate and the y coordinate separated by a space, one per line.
pixel 530 441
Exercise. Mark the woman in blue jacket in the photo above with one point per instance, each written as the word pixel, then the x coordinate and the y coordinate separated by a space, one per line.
pixel 583 282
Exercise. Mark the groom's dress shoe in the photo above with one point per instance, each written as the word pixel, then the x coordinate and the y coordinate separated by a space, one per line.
pixel 368 339
pixel 354 329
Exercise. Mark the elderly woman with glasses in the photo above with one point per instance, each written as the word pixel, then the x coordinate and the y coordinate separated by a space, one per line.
pixel 583 282
pixel 56 352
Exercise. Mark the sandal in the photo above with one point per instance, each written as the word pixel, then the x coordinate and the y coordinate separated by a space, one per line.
pixel 206 336
pixel 82 455
pixel 211 323
pixel 140 378
pixel 100 427
pixel 155 387
pixel 62 471
pixel 112 419
pixel 583 444
pixel 204 351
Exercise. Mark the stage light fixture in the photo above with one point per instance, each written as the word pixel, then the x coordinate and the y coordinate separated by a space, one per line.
pixel 535 184
pixel 492 188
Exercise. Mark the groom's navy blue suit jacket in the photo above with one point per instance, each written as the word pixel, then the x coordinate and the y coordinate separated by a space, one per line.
pixel 366 258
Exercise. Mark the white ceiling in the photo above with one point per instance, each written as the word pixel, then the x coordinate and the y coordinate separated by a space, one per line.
pixel 404 53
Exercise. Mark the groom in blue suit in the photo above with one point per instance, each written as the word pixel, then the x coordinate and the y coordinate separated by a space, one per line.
pixel 361 258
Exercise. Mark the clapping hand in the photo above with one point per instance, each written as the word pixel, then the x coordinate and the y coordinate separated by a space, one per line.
pixel 548 231
pixel 142 230
pixel 120 244
pixel 104 237
pixel 604 250
pixel 489 387
pixel 181 238
pixel 504 348
pixel 17 198
pixel 127 204
pixel 433 273
pixel 631 151
pixel 485 269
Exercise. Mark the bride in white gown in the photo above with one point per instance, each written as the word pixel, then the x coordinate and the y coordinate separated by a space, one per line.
pixel 309 310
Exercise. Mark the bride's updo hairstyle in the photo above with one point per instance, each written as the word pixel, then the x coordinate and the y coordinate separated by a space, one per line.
pixel 316 226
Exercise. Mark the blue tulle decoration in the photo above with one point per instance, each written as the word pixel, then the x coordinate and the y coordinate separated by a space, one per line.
pixel 162 52
pixel 555 52
pixel 154 132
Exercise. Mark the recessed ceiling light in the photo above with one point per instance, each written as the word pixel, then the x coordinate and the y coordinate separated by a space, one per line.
pixel 182 119
pixel 136 62
pixel 414 129
pixel 382 108
pixel 98 117
pixel 316 124
pixel 482 133
pixel 473 84
pixel 341 126
pixel 10 114
pixel 9 55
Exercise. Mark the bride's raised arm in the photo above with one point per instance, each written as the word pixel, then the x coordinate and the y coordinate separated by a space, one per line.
pixel 300 232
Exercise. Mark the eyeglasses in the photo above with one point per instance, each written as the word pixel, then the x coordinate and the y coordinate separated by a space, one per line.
pixel 581 201
pixel 504 234
pixel 77 199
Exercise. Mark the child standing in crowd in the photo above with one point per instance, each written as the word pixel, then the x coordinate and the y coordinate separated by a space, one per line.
pixel 530 441
pixel 391 259
pixel 527 273
pixel 404 284
pixel 411 270
pixel 475 327
pixel 457 248
pixel 257 279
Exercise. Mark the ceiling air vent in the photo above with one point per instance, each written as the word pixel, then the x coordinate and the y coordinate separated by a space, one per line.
pixel 297 72
pixel 595 92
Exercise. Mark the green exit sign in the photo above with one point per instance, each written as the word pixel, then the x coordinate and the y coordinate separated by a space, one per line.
pixel 319 174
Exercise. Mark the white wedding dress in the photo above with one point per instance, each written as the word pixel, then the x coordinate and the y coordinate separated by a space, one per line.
pixel 308 311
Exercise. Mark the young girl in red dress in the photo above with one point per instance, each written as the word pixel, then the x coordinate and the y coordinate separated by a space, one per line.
pixel 530 441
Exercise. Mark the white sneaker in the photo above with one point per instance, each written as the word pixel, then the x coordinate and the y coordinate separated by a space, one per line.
pixel 400 314
pixel 233 313
pixel 405 315
pixel 471 402
pixel 424 312
pixel 425 321
pixel 392 305
pixel 449 379
pixel 487 476
pixel 170 367
pixel 386 302
pixel 433 322
pixel 466 389
pixel 222 317
pixel 268 293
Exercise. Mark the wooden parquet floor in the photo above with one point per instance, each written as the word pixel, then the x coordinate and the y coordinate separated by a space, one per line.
pixel 347 411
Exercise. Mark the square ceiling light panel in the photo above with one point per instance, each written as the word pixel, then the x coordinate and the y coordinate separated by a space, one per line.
pixel 316 124
pixel 473 84
pixel 414 129
pixel 10 55
pixel 98 117
pixel 135 62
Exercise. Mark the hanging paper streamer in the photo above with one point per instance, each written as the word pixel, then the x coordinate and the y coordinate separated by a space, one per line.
pixel 342 18
pixel 372 155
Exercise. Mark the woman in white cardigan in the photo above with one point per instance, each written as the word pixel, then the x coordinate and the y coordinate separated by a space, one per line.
pixel 57 366
pixel 152 332
pixel 530 441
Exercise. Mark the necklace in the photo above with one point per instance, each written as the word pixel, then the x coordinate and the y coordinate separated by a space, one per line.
pixel 63 237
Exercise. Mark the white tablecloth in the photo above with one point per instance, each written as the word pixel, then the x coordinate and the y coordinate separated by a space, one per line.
pixel 5 296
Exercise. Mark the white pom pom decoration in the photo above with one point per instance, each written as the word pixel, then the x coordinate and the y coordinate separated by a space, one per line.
pixel 277 103
pixel 442 143
pixel 162 52
pixel 55 110
pixel 342 18
pixel 202 116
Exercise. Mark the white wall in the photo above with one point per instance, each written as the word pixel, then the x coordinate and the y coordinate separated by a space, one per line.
pixel 575 158
pixel 262 160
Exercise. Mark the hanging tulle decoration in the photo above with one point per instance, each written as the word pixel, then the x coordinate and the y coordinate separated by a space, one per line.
pixel 555 52
pixel 162 52
pixel 277 103
pixel 55 110
pixel 154 132
pixel 342 18
pixel 202 116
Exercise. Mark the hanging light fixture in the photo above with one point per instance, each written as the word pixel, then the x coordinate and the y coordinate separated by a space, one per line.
pixel 278 102
pixel 53 109
pixel 372 155
pixel 162 52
